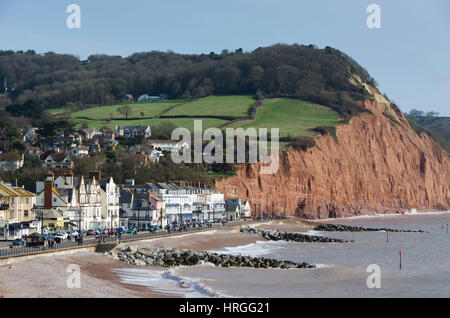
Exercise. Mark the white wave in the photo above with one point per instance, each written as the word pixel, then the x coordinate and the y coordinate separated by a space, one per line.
pixel 257 249
pixel 193 284
pixel 312 233
pixel 166 282
pixel 203 263
pixel 324 265
pixel 411 212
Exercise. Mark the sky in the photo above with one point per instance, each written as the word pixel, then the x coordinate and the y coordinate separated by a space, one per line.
pixel 409 55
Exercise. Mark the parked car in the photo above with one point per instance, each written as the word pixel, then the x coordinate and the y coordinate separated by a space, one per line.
pixel 90 232
pixel 131 231
pixel 18 242
pixel 61 236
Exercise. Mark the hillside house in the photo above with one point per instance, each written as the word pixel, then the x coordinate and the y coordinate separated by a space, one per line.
pixel 81 151
pixel 11 161
pixel 151 154
pixel 128 97
pixel 30 135
pixel 133 131
pixel 57 160
pixel 88 133
pixel 148 99
pixel 168 145
pixel 34 151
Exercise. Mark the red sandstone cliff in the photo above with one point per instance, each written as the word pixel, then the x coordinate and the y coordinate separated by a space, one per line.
pixel 378 166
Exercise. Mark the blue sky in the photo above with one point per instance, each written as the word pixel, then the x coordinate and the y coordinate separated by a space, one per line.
pixel 409 56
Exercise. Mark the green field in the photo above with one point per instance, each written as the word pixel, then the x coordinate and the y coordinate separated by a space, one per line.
pixel 105 112
pixel 179 122
pixel 236 106
pixel 56 111
pixel 293 117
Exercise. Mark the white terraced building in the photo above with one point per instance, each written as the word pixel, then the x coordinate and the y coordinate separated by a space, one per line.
pixel 89 204
pixel 182 203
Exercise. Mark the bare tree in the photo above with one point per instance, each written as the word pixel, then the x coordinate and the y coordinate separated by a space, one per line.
pixel 125 110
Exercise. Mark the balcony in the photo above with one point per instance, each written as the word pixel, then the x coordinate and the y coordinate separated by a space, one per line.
pixel 4 206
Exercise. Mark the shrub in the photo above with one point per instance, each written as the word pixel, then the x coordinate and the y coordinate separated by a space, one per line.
pixel 302 143
pixel 324 130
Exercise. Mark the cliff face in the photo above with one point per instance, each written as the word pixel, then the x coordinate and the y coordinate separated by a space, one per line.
pixel 380 165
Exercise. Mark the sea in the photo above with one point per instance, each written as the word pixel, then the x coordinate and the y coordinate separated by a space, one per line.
pixel 342 269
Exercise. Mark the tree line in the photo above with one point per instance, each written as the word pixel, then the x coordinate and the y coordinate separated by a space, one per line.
pixel 298 71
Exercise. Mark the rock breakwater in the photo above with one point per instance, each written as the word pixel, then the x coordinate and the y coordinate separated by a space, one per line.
pixel 169 257
pixel 348 228
pixel 276 235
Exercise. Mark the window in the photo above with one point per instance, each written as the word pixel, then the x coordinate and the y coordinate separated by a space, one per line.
pixel 25 213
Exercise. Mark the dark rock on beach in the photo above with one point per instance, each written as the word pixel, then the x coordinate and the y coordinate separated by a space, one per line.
pixel 348 228
pixel 275 235
pixel 168 257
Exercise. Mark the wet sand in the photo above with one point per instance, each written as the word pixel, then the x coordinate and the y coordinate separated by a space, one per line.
pixel 288 225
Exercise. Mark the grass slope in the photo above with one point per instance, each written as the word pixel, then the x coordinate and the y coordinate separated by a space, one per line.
pixel 235 105
pixel 104 112
pixel 293 117
pixel 179 122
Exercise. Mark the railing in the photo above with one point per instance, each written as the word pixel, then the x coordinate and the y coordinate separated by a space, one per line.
pixel 4 206
pixel 92 240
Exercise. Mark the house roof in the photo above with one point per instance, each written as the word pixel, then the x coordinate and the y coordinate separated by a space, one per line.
pixel 125 196
pixel 163 142
pixel 9 191
pixel 12 156
pixel 138 205
pixel 58 157
pixel 52 214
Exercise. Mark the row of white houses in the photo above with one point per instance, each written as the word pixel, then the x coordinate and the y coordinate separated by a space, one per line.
pixel 93 202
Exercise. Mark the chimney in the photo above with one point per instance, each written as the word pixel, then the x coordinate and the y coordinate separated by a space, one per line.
pixel 95 174
pixel 68 177
pixel 48 190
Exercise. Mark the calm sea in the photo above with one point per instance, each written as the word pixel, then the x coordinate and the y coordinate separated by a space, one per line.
pixel 342 268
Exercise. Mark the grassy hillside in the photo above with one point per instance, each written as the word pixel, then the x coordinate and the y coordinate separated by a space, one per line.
pixel 293 117
pixel 236 105
pixel 179 122
pixel 105 112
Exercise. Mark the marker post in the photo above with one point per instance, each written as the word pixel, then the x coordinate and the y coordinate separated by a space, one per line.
pixel 387 237
pixel 400 259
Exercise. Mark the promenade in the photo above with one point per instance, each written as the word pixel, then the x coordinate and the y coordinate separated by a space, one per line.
pixel 92 241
